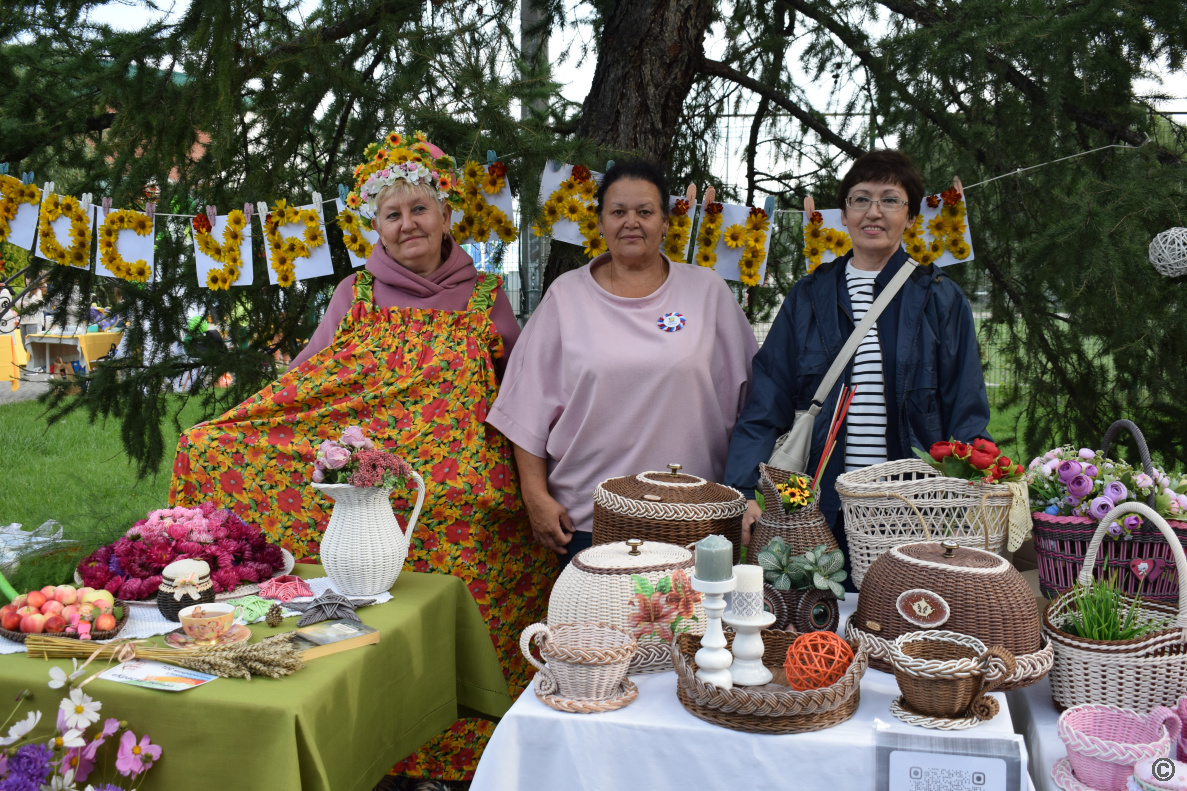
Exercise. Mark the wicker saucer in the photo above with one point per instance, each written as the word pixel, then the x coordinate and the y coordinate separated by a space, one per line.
pixel 1061 773
pixel 627 692
pixel 900 709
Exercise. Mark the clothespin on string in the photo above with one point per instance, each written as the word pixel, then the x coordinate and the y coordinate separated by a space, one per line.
pixel 342 193
pixel 3 168
pixel 609 164
pixel 248 211
pixel 150 209
pixel 85 201
pixel 48 189
pixel 106 204
pixel 27 178
pixel 211 214
pixel 769 205
pixel 490 157
pixel 262 208
pixel 553 165
pixel 317 207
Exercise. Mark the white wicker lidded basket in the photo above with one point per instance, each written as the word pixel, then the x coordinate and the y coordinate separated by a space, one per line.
pixel 641 586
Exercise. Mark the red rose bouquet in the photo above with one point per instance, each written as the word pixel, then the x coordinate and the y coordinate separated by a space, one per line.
pixel 979 460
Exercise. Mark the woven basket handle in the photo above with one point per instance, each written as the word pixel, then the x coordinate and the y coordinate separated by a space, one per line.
pixel 911 505
pixel 999 665
pixel 525 645
pixel 1143 449
pixel 1145 511
pixel 1169 718
pixel 420 500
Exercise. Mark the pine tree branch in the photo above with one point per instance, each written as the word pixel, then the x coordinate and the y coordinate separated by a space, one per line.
pixel 861 50
pixel 714 68
pixel 96 123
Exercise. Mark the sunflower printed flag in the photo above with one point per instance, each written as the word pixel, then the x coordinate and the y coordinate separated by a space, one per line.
pixel 486 212
pixel 222 250
pixel 295 243
pixel 568 210
pixel 65 231
pixel 357 239
pixel 19 207
pixel 125 240
pixel 734 241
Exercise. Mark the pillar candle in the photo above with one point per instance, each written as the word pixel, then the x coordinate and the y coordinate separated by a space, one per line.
pixel 749 578
pixel 714 559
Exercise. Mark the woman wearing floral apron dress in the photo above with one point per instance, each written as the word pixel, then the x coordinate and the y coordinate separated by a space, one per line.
pixel 410 350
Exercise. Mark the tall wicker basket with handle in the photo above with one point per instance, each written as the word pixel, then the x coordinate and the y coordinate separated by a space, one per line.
pixel 802 531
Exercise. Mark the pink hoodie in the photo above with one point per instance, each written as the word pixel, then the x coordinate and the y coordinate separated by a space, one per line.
pixel 448 288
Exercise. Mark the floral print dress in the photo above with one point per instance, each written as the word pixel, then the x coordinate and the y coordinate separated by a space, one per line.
pixel 419 382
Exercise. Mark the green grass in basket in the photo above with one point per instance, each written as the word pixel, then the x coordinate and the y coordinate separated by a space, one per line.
pixel 1099 611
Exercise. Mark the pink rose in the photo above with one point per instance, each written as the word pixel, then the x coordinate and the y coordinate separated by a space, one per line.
pixel 355 438
pixel 337 458
pixel 318 476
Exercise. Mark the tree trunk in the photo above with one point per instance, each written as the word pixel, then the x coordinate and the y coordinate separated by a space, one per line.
pixel 648 57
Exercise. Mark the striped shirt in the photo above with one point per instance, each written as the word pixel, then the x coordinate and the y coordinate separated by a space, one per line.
pixel 865 438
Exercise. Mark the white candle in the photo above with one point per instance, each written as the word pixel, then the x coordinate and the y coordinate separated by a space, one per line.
pixel 749 578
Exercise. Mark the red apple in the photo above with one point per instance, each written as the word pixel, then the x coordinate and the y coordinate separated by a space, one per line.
pixel 95 597
pixel 20 601
pixel 69 610
pixel 33 624
pixel 105 622
pixel 65 594
pixel 37 598
pixel 7 609
pixel 10 621
pixel 55 624
pixel 52 607
pixel 48 591
pixel 28 609
pixel 83 591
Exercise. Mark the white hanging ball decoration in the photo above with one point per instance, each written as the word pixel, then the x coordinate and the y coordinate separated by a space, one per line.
pixel 1168 252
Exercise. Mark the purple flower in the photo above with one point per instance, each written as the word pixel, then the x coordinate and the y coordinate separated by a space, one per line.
pixel 1079 486
pixel 1091 471
pixel 1087 455
pixel 1114 529
pixel 1133 522
pixel 337 458
pixel 1116 491
pixel 1069 470
pixel 1073 501
pixel 32 762
pixel 1100 508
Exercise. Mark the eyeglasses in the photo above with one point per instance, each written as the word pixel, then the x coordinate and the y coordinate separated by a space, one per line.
pixel 862 203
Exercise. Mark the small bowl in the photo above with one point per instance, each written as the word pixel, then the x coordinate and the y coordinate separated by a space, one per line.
pixel 214 620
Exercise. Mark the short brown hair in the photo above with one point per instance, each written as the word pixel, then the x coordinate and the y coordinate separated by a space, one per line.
pixel 885 166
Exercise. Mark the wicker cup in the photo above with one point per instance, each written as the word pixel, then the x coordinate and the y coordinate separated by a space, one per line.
pixel 668 507
pixel 802 531
pixel 885 504
pixel 945 674
pixel 1137 674
pixel 586 661
pixel 1104 742
pixel 774 707
pixel 1062 541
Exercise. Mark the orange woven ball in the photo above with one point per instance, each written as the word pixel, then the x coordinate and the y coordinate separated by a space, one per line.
pixel 816 659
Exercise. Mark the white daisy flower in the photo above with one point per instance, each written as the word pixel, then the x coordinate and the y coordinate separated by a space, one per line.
pixel 73 738
pixel 63 783
pixel 79 710
pixel 18 731
pixel 58 677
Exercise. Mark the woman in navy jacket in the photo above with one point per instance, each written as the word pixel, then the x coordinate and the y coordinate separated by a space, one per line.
pixel 933 385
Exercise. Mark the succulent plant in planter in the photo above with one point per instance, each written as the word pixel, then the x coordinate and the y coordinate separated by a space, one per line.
pixel 816 569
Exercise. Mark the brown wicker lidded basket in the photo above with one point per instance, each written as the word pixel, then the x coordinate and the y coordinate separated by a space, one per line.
pixel 971 591
pixel 771 708
pixel 671 507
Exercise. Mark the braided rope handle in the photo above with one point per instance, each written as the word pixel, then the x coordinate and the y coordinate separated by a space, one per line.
pixel 1143 449
pixel 1149 513
pixel 1113 751
pixel 548 685
pixel 999 666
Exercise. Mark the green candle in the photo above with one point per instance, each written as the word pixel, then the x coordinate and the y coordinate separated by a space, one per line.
pixel 714 559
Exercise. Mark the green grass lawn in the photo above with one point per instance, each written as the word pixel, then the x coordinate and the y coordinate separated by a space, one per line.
pixel 76 473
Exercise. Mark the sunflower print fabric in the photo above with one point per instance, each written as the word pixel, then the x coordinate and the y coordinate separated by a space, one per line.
pixel 419 382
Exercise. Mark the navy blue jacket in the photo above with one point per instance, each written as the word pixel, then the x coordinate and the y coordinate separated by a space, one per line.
pixel 935 388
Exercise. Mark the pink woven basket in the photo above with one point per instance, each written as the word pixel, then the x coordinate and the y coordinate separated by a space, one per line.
pixel 1182 712
pixel 1104 742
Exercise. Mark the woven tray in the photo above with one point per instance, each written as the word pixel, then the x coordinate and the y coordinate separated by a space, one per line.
pixel 109 634
pixel 774 707
pixel 688 508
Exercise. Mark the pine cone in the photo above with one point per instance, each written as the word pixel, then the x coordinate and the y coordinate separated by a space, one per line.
pixel 274 615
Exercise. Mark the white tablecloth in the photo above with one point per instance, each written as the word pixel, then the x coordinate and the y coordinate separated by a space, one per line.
pixel 654 743
pixel 1035 718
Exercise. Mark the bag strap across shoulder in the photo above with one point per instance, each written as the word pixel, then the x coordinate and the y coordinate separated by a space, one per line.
pixel 859 332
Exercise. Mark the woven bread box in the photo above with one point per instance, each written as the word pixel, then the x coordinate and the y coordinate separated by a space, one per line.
pixel 671 507
pixel 640 586
pixel 974 592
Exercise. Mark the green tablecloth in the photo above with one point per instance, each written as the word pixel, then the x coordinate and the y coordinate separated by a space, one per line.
pixel 339 724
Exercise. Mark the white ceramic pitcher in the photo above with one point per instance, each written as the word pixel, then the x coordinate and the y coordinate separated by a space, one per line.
pixel 363 548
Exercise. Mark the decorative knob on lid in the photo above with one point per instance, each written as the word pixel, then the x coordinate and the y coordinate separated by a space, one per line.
pixel 675 468
pixel 634 544
pixel 949 548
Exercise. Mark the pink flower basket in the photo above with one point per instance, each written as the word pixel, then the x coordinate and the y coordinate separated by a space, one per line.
pixel 1104 742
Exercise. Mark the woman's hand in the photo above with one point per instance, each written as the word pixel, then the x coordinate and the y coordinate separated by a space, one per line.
pixel 753 512
pixel 551 524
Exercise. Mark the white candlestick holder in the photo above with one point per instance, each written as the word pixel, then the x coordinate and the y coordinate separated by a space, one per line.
pixel 713 658
pixel 748 669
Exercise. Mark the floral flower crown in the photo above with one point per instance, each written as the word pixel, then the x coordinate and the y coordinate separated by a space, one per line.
pixel 395 160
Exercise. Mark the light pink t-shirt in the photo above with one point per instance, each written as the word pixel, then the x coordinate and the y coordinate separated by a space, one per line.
pixel 600 389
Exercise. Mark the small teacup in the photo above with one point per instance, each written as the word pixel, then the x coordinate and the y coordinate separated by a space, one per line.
pixel 205 623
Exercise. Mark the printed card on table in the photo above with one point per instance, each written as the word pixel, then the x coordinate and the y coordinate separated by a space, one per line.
pixel 219 233
pixel 371 238
pixel 316 263
pixel 156 675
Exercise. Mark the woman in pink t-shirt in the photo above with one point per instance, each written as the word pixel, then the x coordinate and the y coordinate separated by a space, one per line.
pixel 627 364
